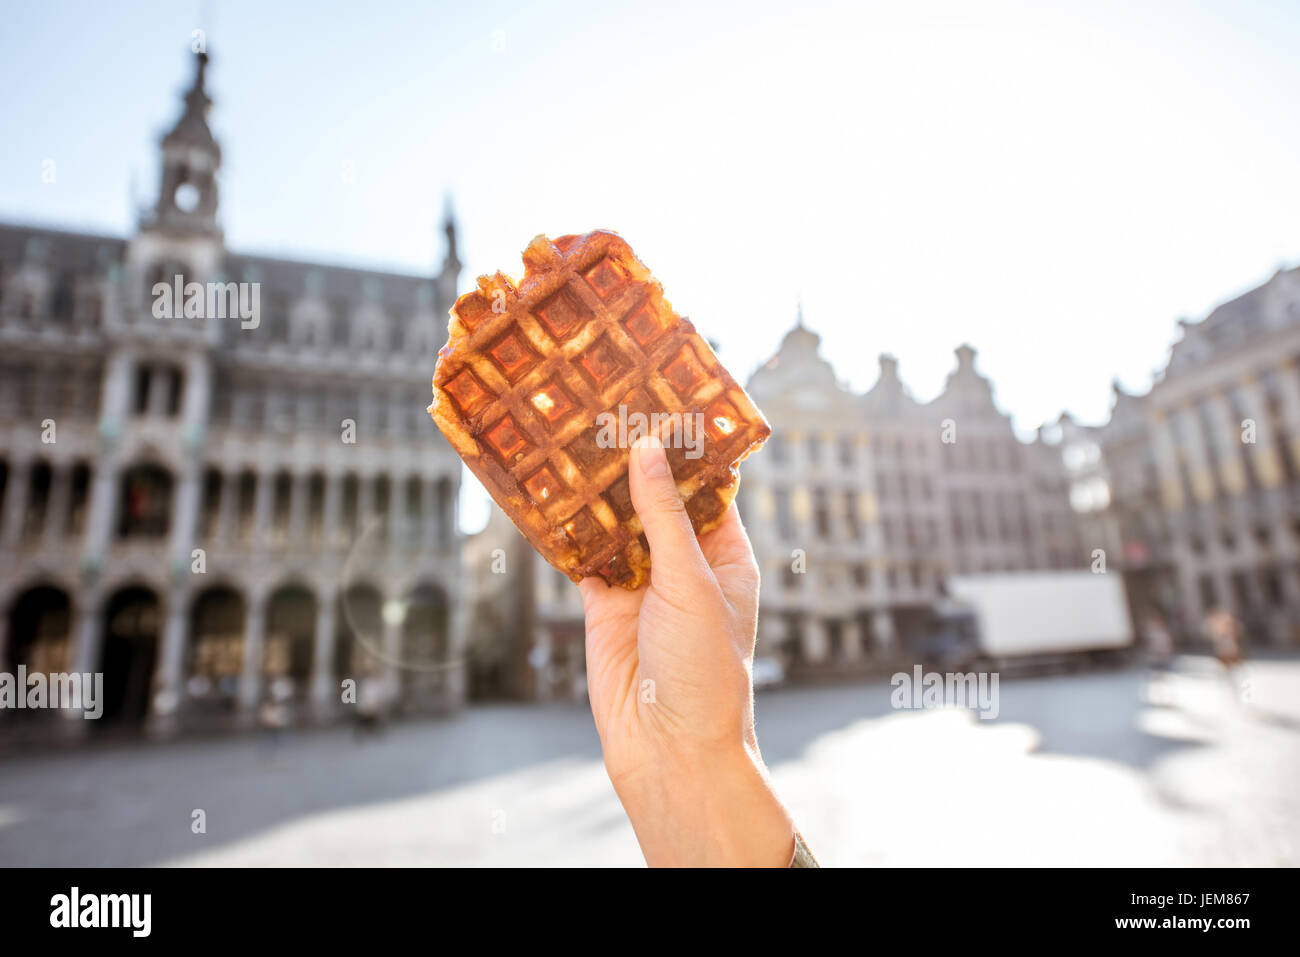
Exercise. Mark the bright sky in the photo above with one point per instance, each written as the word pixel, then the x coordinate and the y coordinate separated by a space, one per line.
pixel 1054 183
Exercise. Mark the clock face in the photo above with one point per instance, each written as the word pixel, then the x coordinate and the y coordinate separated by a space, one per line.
pixel 187 197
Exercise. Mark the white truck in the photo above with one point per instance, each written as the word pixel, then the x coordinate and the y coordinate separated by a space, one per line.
pixel 1031 619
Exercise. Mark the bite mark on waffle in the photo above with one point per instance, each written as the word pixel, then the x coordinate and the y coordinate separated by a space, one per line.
pixel 530 368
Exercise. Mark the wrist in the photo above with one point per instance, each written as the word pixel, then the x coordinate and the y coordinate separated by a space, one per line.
pixel 714 812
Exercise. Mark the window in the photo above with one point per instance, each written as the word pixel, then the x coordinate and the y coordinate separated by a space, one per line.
pixel 173 391
pixel 1206 588
pixel 40 479
pixel 821 513
pixel 140 392
pixel 381 506
pixel 316 506
pixel 212 483
pixel 281 507
pixel 247 504
pixel 351 496
pixel 846 450
pixel 144 509
pixel 784 515
pixel 851 515
pixel 80 499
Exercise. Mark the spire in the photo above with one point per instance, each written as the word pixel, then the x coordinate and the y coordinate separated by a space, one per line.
pixel 192 128
pixel 187 193
pixel 447 280
pixel 798 313
pixel 451 262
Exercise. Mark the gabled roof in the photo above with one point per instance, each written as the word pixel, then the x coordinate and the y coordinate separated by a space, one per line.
pixel 1254 314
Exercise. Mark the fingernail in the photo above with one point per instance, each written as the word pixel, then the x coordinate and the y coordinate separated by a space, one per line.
pixel 650 456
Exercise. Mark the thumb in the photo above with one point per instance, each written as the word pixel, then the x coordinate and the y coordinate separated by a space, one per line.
pixel 677 565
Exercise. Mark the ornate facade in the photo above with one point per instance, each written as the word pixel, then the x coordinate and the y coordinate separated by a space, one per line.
pixel 861 506
pixel 858 507
pixel 1204 471
pixel 204 508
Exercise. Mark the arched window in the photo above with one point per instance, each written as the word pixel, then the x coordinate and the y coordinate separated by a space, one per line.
pixel 290 639
pixel 144 508
pixel 216 654
pixel 39 631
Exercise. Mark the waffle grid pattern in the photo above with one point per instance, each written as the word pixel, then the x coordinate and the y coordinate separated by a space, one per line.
pixel 527 370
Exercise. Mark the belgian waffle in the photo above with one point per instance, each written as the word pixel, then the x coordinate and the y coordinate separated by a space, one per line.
pixel 528 370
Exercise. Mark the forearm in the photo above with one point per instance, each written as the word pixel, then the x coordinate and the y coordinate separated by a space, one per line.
pixel 724 814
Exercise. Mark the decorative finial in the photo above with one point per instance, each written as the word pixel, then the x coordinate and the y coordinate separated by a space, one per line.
pixel 451 262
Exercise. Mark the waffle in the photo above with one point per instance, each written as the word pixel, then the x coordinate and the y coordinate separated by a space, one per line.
pixel 528 370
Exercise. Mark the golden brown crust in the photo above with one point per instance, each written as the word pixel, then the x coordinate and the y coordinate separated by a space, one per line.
pixel 528 370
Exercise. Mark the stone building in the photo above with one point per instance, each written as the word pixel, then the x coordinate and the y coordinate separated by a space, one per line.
pixel 208 508
pixel 858 507
pixel 861 506
pixel 1204 470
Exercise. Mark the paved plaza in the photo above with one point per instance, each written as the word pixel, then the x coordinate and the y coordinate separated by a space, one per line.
pixel 1103 768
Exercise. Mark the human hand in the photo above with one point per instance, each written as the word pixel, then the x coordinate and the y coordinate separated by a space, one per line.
pixel 669 674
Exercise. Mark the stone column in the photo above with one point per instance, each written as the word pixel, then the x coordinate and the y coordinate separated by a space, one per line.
pixel 1197 462
pixel 87 636
pixel 1225 438
pixel 228 507
pixel 1288 382
pixel 250 679
pixel 1171 488
pixel 323 686
pixel 396 514
pixel 262 508
pixel 1263 453
pixel 882 622
pixel 392 649
pixel 186 501
pixel 169 678
pixel 333 507
pixel 104 492
pixel 815 644
pixel 299 496
pixel 56 507
pixel 87 630
pixel 429 489
pixel 539 660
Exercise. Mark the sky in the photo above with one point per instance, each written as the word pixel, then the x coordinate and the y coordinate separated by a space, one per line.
pixel 1053 183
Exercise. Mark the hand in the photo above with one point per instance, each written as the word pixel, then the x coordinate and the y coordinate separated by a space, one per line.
pixel 669 673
